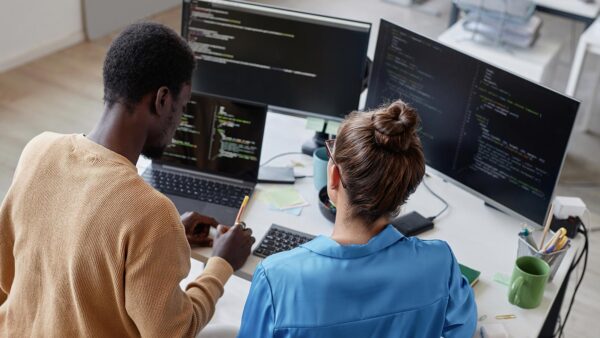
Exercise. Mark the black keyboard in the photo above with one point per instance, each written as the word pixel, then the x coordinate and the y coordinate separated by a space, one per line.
pixel 280 239
pixel 196 188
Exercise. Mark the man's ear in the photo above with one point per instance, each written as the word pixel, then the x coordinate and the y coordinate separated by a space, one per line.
pixel 163 101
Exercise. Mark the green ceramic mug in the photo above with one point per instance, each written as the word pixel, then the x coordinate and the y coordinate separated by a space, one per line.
pixel 528 282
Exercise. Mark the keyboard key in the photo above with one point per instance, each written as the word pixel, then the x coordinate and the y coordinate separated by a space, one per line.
pixel 279 239
pixel 199 189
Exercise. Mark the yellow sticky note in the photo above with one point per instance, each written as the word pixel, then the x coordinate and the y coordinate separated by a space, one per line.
pixel 287 197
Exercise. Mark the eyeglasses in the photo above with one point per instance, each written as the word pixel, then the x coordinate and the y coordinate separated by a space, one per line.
pixel 330 147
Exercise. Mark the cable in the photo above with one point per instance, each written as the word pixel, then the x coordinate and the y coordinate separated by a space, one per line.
pixel 582 230
pixel 585 251
pixel 280 155
pixel 446 205
pixel 557 331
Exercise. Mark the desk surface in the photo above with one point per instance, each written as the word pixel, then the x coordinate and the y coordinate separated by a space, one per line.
pixel 575 7
pixel 572 9
pixel 481 237
pixel 534 63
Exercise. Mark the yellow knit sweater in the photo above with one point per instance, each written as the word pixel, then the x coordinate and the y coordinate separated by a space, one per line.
pixel 88 249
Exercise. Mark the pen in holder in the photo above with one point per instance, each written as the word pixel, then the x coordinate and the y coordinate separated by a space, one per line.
pixel 527 249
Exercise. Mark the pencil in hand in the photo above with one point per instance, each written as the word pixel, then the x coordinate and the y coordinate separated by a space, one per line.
pixel 242 207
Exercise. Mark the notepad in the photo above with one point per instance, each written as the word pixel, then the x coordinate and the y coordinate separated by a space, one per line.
pixel 285 198
pixel 470 274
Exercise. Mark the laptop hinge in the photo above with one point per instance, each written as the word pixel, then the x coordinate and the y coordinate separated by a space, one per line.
pixel 205 175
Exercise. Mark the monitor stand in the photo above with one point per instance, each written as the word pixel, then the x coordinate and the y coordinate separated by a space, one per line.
pixel 317 141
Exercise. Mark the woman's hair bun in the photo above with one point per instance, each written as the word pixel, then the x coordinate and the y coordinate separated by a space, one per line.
pixel 394 126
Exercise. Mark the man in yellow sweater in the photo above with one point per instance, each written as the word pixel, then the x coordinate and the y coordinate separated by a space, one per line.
pixel 87 248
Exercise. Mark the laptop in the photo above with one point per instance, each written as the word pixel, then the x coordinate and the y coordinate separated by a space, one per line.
pixel 214 158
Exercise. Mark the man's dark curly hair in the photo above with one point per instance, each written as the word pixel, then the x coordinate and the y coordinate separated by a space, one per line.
pixel 143 58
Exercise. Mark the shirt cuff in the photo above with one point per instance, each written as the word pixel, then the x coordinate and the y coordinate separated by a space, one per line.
pixel 218 267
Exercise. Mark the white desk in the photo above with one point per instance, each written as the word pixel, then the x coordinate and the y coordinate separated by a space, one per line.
pixel 571 9
pixel 480 237
pixel 536 63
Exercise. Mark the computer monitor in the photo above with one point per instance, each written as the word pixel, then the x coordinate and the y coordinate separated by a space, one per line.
pixel 485 129
pixel 219 136
pixel 297 63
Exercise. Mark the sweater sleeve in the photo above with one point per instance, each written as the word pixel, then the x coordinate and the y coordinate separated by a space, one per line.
pixel 258 319
pixel 7 235
pixel 7 260
pixel 153 297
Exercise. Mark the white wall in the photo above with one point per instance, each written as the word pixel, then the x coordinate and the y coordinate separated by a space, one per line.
pixel 30 29
pixel 105 16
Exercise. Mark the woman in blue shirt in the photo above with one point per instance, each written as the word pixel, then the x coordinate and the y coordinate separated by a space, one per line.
pixel 367 279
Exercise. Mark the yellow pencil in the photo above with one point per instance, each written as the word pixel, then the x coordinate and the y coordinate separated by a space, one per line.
pixel 548 221
pixel 242 207
pixel 558 235
pixel 561 244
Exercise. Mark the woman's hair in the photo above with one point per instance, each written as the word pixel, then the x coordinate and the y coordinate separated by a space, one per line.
pixel 381 159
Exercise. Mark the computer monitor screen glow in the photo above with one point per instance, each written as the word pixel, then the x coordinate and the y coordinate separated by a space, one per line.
pixel 219 136
pixel 297 63
pixel 496 134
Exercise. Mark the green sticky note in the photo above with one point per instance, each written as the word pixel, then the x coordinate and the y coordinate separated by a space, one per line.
pixel 501 278
pixel 332 127
pixel 314 123
pixel 283 198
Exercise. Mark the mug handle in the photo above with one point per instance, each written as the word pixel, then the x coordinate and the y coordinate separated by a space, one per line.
pixel 513 294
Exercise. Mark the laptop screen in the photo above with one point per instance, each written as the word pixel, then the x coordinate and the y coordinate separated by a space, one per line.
pixel 219 136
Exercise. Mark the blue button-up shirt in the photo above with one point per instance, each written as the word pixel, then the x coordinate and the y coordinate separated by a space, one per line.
pixel 393 286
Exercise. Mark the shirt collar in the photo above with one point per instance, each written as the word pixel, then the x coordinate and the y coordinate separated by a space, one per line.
pixel 326 246
pixel 81 142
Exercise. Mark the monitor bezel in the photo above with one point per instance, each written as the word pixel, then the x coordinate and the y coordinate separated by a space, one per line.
pixel 287 12
pixel 188 168
pixel 474 192
pixel 358 25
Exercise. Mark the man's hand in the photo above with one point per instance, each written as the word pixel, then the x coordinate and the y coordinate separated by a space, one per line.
pixel 233 244
pixel 197 228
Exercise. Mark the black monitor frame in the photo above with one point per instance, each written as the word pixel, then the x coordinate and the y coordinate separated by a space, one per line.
pixel 487 199
pixel 308 17
pixel 253 176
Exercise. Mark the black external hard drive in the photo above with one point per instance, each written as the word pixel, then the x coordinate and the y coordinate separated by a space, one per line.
pixel 412 224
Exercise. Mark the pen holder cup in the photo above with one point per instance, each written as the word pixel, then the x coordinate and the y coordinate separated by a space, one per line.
pixel 553 259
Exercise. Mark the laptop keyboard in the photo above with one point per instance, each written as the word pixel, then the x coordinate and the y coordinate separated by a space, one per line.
pixel 280 239
pixel 196 188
